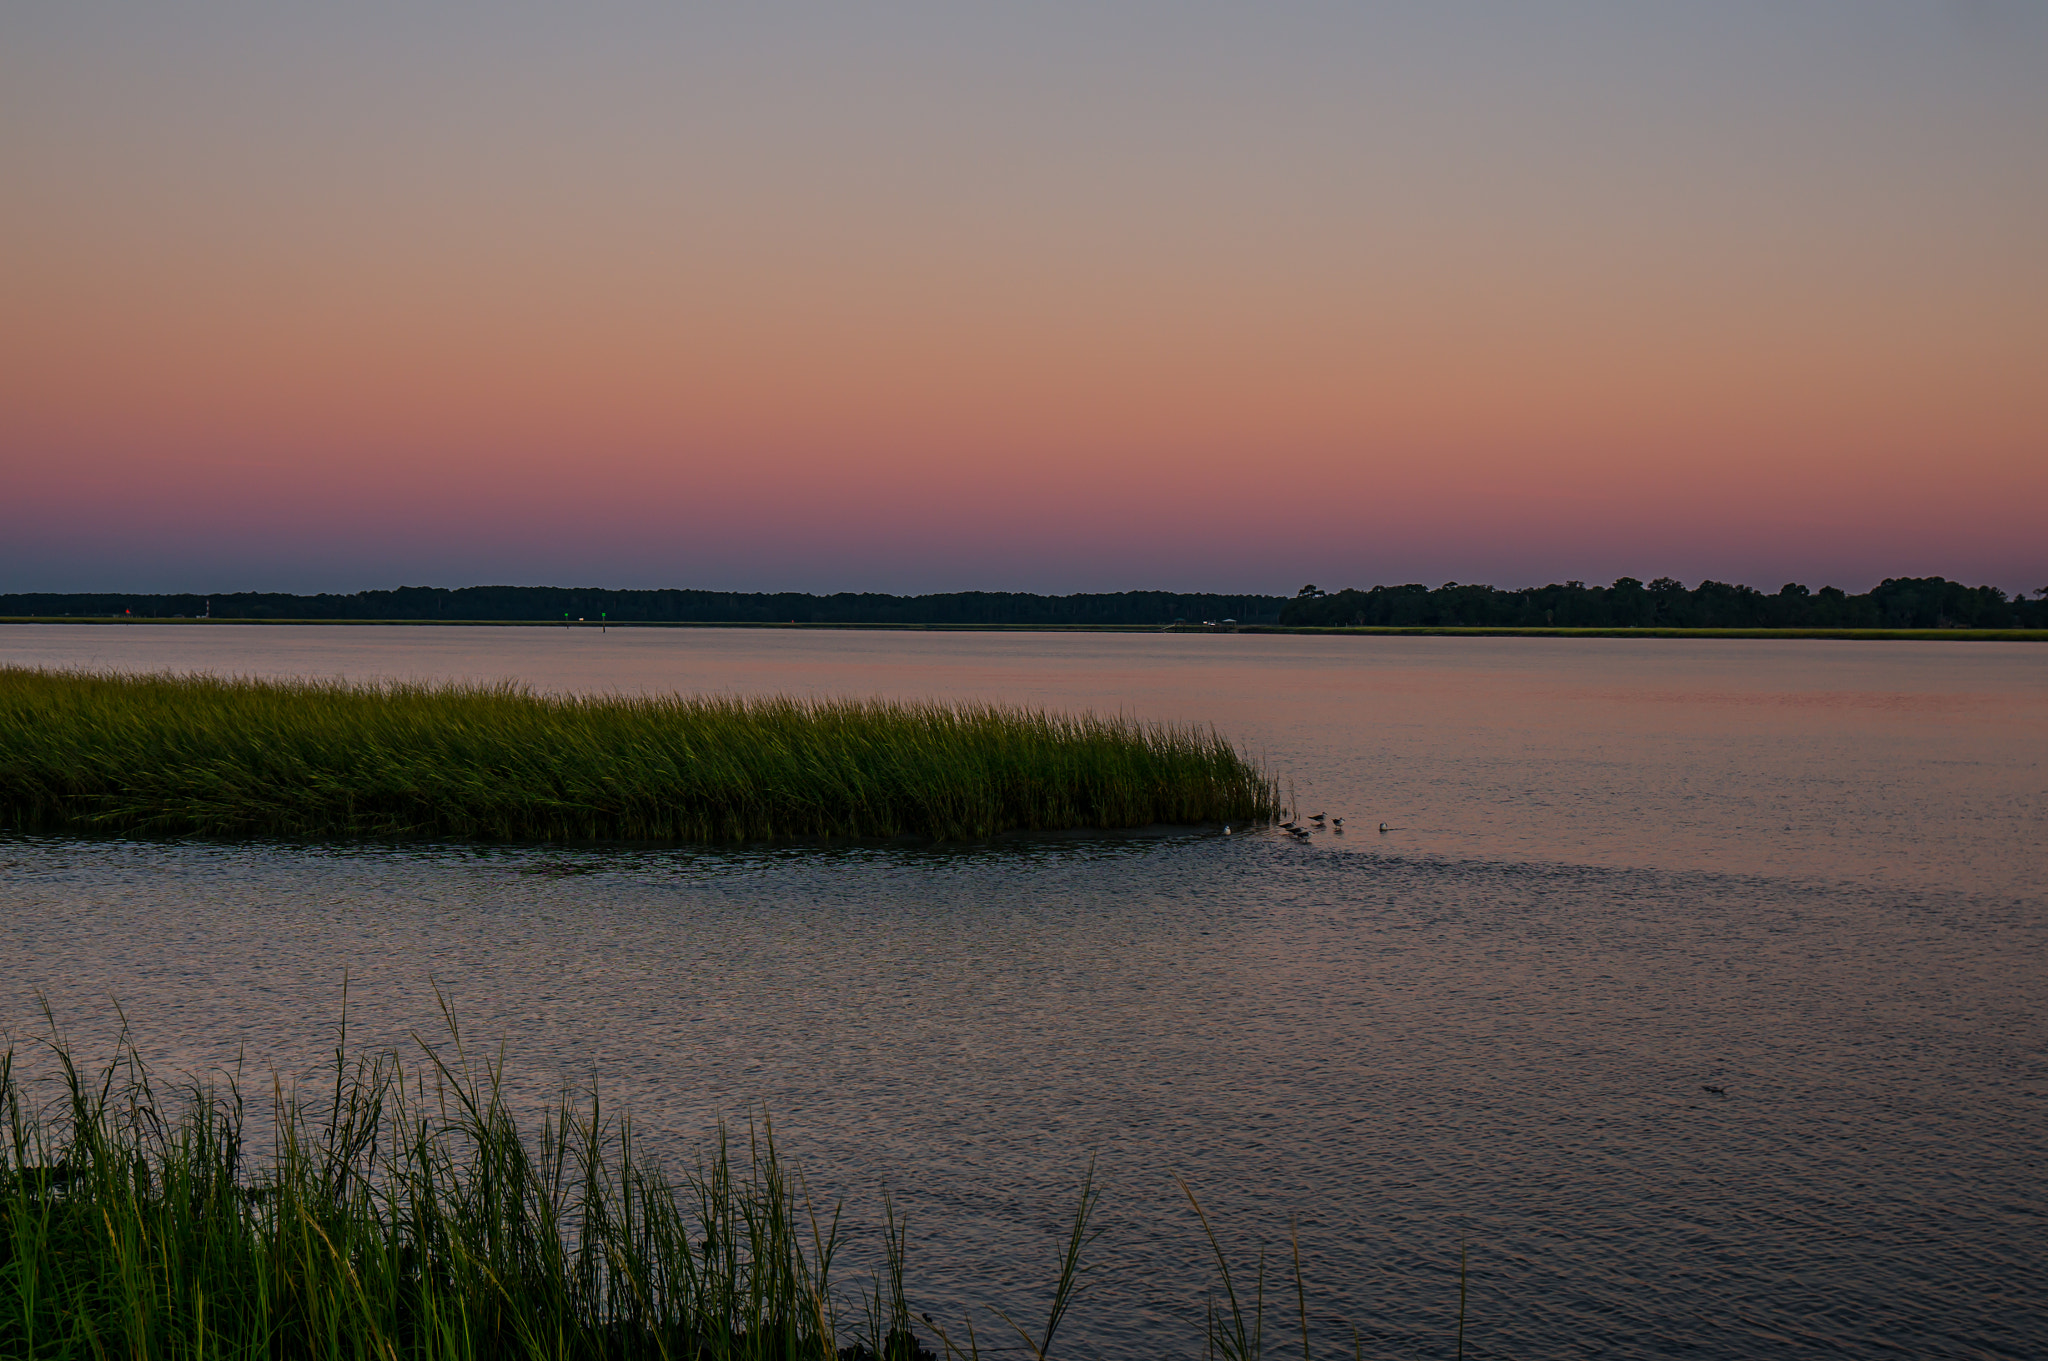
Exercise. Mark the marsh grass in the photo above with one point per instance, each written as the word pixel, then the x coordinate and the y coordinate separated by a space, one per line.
pixel 403 1214
pixel 199 755
pixel 399 1212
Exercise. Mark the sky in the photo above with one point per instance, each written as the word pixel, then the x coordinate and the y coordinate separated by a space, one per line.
pixel 1050 297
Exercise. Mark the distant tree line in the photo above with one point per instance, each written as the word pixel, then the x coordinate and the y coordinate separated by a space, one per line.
pixel 1898 603
pixel 1901 602
pixel 525 603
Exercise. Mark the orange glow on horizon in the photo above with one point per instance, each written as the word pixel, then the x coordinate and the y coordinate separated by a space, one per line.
pixel 1339 343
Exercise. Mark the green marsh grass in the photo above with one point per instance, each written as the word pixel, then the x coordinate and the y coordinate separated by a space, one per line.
pixel 405 1215
pixel 400 1213
pixel 199 755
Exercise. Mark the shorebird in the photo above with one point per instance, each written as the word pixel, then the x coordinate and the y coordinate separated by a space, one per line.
pixel 1383 826
pixel 1315 817
pixel 1338 823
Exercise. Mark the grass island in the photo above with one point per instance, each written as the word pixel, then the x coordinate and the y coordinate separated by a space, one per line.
pixel 210 756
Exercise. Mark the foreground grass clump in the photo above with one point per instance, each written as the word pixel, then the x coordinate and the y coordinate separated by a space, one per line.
pixel 404 1216
pixel 170 754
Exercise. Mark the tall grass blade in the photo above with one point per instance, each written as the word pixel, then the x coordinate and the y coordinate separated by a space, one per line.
pixel 1234 1339
pixel 1066 1285
pixel 1300 1289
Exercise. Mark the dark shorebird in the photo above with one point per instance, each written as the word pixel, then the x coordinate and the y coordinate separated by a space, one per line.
pixel 1338 823
pixel 1315 817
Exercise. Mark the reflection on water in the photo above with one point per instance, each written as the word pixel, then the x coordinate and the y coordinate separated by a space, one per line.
pixel 1803 874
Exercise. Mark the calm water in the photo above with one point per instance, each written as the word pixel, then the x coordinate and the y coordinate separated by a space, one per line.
pixel 1622 872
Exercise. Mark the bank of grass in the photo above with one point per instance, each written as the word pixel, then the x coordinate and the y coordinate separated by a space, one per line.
pixel 199 755
pixel 402 1214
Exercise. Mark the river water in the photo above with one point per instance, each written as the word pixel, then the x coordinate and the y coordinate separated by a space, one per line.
pixel 1696 987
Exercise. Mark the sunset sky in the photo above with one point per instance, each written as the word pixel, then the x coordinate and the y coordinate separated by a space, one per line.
pixel 1055 297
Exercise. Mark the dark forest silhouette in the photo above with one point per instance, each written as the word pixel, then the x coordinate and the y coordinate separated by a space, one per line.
pixel 528 603
pixel 1898 603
